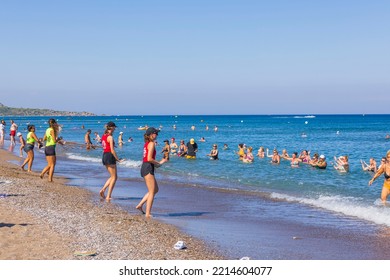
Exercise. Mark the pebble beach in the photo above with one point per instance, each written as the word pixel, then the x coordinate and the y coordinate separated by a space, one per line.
pixel 54 221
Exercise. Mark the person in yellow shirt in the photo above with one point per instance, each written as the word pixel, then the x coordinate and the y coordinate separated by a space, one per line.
pixel 51 138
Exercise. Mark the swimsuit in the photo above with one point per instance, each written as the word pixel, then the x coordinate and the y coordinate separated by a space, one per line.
pixel 386 184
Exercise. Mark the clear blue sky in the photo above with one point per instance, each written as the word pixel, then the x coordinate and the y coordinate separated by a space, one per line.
pixel 196 57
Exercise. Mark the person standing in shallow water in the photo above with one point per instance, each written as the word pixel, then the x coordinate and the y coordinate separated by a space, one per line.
pixel 385 170
pixel 29 147
pixel 109 160
pixel 51 138
pixel 147 171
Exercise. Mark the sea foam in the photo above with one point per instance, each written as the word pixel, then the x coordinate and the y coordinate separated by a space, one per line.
pixel 351 206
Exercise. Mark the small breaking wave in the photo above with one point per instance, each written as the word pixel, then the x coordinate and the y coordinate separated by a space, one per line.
pixel 82 158
pixel 350 206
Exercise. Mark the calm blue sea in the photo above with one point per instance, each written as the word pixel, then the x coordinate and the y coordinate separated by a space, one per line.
pixel 344 195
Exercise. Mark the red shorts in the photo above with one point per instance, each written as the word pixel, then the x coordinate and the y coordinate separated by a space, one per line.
pixel 13 133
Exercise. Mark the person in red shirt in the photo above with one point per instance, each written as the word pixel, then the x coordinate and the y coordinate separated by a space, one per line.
pixel 149 163
pixel 109 160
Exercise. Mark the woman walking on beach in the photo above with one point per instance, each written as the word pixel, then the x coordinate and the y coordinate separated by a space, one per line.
pixel 29 147
pixel 109 160
pixel 51 138
pixel 385 169
pixel 147 170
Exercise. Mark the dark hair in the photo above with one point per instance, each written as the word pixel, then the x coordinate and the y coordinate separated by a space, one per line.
pixel 53 124
pixel 146 138
pixel 30 126
pixel 241 145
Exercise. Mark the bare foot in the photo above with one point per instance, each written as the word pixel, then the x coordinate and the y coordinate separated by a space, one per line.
pixel 102 194
pixel 108 198
pixel 148 216
pixel 139 208
pixel 41 175
pixel 22 167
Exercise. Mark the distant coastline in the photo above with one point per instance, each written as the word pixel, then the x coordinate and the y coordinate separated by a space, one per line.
pixel 9 111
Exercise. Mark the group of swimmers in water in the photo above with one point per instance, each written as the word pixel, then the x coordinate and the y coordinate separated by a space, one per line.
pixel 187 150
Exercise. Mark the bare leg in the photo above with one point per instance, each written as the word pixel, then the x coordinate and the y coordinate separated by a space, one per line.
pixel 152 186
pixel 113 177
pixel 46 169
pixel 30 163
pixel 29 160
pixel 52 167
pixel 51 162
pixel 105 186
pixel 385 194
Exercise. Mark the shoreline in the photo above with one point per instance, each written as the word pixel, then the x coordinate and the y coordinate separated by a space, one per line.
pixel 218 224
pixel 47 221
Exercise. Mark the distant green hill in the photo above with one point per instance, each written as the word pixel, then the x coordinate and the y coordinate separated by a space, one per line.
pixel 9 111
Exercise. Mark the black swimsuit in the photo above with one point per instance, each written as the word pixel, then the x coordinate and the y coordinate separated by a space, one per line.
pixel 387 177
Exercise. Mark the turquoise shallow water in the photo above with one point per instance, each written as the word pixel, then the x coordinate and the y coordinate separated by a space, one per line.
pixel 294 195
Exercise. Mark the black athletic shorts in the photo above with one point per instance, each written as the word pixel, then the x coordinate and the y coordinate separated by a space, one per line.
pixel 108 159
pixel 147 168
pixel 50 150
pixel 28 147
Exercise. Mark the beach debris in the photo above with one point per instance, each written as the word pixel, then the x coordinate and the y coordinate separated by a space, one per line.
pixel 180 245
pixel 3 195
pixel 85 253
pixel 5 182
pixel 245 259
pixel 296 238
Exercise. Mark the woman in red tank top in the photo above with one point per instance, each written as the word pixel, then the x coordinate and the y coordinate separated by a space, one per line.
pixel 147 170
pixel 109 160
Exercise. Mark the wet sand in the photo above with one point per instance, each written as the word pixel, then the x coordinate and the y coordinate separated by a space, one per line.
pixel 232 224
pixel 51 221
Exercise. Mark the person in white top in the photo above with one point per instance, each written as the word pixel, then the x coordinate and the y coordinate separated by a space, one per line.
pixel 2 132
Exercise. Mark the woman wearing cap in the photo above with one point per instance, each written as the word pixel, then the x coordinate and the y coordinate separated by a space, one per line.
pixel 109 160
pixel 29 147
pixel 147 171
pixel 166 150
pixel 385 170
pixel 213 153
pixel 321 163
pixel 51 138
pixel 182 149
